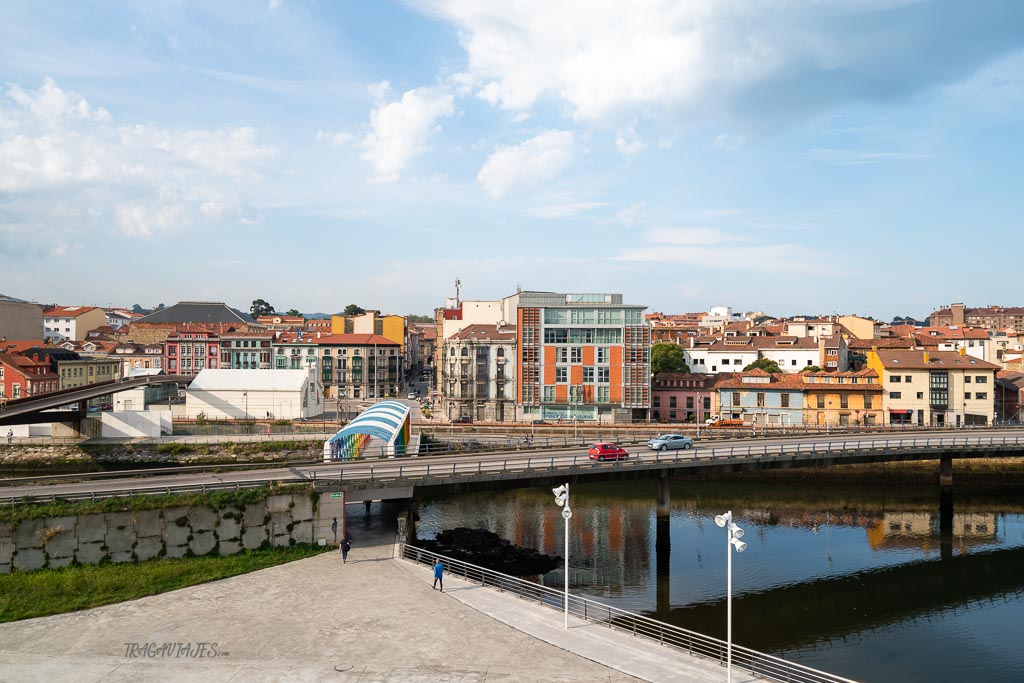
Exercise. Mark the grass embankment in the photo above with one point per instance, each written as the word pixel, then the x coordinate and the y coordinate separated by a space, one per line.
pixel 218 500
pixel 55 591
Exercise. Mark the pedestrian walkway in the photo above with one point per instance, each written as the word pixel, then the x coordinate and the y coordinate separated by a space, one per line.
pixel 372 619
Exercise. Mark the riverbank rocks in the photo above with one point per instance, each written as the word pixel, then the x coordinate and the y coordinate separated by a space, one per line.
pixel 486 549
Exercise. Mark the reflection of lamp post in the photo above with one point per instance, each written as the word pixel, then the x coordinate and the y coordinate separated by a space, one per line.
pixel 698 413
pixel 562 499
pixel 245 395
pixel 735 534
pixel 827 407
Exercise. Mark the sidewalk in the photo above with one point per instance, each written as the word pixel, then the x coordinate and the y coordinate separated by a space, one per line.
pixel 373 619
pixel 639 657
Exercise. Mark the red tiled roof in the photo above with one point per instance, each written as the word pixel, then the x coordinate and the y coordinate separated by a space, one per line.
pixel 67 311
pixel 484 332
pixel 914 360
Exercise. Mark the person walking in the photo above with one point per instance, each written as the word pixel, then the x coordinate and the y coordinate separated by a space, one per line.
pixel 439 575
pixel 10 436
pixel 346 545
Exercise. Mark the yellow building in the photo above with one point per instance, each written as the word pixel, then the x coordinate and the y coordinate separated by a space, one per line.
pixel 935 388
pixel 391 327
pixel 78 373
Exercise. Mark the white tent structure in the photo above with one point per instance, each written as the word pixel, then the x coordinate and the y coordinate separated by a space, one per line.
pixel 256 394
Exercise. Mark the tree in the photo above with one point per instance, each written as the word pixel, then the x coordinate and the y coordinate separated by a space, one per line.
pixel 352 309
pixel 766 364
pixel 260 307
pixel 811 368
pixel 419 318
pixel 668 358
pixel 136 308
pixel 293 311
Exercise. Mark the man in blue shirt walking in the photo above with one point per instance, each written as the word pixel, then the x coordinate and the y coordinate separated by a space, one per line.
pixel 439 575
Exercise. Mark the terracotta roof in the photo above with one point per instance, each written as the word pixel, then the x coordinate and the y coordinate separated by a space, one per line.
pixel 951 333
pixel 778 381
pixel 937 360
pixel 335 339
pixel 886 343
pixel 67 311
pixel 767 343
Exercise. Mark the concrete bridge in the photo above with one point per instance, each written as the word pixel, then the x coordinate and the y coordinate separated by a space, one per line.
pixel 399 478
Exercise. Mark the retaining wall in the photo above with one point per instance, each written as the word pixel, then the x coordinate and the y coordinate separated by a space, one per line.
pixel 139 535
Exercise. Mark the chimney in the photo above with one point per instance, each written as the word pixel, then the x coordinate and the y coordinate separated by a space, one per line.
pixel 927 358
pixel 958 313
pixel 962 350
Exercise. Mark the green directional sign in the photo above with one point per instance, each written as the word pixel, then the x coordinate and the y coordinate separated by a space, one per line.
pixel 338 495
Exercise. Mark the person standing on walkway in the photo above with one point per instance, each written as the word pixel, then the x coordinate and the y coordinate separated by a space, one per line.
pixel 10 436
pixel 439 575
pixel 345 545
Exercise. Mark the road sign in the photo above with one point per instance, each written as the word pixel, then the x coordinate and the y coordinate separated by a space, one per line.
pixel 340 494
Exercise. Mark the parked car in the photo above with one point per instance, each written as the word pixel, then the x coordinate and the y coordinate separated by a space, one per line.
pixel 463 420
pixel 670 441
pixel 540 422
pixel 411 396
pixel 607 451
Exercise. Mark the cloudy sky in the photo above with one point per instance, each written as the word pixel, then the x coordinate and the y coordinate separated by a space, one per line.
pixel 852 156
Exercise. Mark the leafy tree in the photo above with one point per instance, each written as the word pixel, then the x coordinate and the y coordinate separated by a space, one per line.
pixel 293 311
pixel 668 358
pixel 260 307
pixel 419 318
pixel 353 309
pixel 766 364
pixel 160 307
pixel 811 368
pixel 138 309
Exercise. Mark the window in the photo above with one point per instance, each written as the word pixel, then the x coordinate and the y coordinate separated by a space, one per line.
pixel 725 361
pixel 575 354
pixel 760 399
pixel 920 395
pixel 981 396
pixel 672 402
pixel 562 354
pixel 821 401
pixel 602 354
pixel 603 395
pixel 907 378
pixel 981 379
pixel 844 401
pixel 576 394
pixel 868 401
pixel 549 394
pixel 561 375
pixel 735 398
pixel 895 394
pixel 588 375
pixel 784 400
pixel 603 375
pixel 895 379
pixel 967 396
pixel 967 379
pixel 464 353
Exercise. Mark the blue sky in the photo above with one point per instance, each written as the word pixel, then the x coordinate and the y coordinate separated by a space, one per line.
pixel 851 156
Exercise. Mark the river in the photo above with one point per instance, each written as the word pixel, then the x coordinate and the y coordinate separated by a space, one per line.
pixel 859 581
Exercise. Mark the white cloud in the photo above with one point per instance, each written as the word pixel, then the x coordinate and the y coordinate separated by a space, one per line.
pixel 628 142
pixel 562 210
pixel 334 139
pixel 107 174
pixel 515 168
pixel 401 129
pixel 623 58
pixel 689 236
pixel 729 141
pixel 853 157
pixel 632 215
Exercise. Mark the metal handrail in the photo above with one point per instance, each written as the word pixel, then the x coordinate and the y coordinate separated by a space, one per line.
pixel 396 470
pixel 757 663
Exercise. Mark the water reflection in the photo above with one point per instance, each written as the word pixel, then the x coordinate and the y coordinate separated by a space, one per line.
pixel 833 579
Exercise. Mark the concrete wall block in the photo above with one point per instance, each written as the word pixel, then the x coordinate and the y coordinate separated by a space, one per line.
pixel 176 530
pixel 148 524
pixel 122 556
pixel 6 550
pixel 61 546
pixel 303 508
pixel 90 553
pixel 28 534
pixel 253 537
pixel 202 519
pixel 5 567
pixel 229 548
pixel 120 540
pixel 281 503
pixel 254 514
pixel 202 542
pixel 6 531
pixel 302 532
pixel 228 527
pixel 91 529
pixel 148 548
pixel 176 551
pixel 120 521
pixel 330 509
pixel 29 559
pixel 58 562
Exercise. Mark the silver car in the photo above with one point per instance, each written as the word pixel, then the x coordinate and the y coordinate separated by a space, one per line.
pixel 668 441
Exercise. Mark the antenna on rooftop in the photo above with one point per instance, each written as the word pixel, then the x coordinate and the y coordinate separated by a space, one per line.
pixel 458 285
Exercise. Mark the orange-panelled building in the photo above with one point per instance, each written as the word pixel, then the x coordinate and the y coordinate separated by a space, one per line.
pixel 581 356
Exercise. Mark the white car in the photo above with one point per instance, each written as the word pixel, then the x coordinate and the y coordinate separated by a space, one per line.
pixel 412 396
pixel 670 441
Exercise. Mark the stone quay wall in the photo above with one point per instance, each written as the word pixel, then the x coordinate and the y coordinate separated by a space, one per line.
pixel 139 535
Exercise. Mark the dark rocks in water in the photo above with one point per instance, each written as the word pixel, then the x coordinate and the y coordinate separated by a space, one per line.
pixel 486 549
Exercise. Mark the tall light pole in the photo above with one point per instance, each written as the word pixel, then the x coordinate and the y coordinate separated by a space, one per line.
pixel 698 413
pixel 562 499
pixel 827 406
pixel 734 535
pixel 245 395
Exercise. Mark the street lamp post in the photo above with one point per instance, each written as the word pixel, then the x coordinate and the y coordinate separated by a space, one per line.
pixel 734 536
pixel 698 413
pixel 562 499
pixel 827 426
pixel 245 395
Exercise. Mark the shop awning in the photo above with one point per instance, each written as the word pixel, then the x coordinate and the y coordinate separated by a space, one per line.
pixel 899 412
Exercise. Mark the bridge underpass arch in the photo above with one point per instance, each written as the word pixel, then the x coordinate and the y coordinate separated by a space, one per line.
pixel 388 421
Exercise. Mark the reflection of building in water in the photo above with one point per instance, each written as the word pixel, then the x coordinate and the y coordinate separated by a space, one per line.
pixel 921 530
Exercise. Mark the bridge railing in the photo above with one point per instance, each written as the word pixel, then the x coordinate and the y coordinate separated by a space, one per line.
pixel 757 663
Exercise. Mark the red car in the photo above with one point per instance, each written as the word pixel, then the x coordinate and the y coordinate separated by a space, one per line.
pixel 607 451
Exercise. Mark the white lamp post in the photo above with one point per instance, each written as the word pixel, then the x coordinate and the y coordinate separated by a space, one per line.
pixel 562 499
pixel 735 534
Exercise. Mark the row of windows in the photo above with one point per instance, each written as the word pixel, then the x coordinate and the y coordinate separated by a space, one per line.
pixel 582 335
pixel 593 316
pixel 601 394
pixel 601 376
